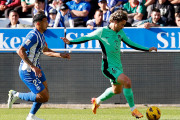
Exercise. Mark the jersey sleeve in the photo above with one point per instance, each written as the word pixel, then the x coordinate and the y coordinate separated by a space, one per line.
pixel 95 35
pixel 87 7
pixel 132 44
pixel 30 40
pixel 142 9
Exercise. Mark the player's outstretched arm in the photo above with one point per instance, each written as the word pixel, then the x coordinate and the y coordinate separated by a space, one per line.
pixel 51 53
pixel 152 49
pixel 65 40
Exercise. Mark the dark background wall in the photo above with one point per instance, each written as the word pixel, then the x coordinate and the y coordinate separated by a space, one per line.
pixel 155 77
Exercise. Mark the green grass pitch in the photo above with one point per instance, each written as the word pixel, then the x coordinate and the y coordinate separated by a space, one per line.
pixel 167 113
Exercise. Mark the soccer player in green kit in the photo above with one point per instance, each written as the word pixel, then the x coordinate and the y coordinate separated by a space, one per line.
pixel 110 38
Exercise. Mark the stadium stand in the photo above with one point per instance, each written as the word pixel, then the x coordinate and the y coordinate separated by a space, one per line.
pixel 5 21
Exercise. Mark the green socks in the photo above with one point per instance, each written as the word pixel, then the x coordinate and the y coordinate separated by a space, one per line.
pixel 109 93
pixel 106 95
pixel 129 96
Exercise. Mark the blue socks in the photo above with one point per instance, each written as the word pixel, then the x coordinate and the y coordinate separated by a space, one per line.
pixel 35 107
pixel 28 96
pixel 31 97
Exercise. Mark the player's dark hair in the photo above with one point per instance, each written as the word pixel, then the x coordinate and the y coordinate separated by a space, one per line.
pixel 39 16
pixel 118 16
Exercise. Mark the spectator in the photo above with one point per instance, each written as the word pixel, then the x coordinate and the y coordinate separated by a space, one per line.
pixel 136 11
pixel 148 5
pixel 94 7
pixel 8 2
pixel 166 10
pixel 106 13
pixel 2 7
pixel 64 18
pixel 42 5
pixel 65 1
pixel 14 20
pixel 52 16
pixel 149 2
pixel 177 19
pixel 174 1
pixel 176 4
pixel 25 8
pixel 114 5
pixel 177 9
pixel 79 10
pixel 154 21
pixel 97 21
pixel 87 0
pixel 6 8
pixel 56 4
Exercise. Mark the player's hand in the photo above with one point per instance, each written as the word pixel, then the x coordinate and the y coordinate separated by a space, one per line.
pixel 37 71
pixel 65 55
pixel 65 40
pixel 152 49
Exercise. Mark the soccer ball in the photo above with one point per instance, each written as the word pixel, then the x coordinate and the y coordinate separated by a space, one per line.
pixel 153 113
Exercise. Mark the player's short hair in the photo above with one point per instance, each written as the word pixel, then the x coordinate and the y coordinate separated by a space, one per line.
pixel 118 16
pixel 39 16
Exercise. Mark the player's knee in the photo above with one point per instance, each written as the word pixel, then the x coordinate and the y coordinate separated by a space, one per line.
pixel 127 83
pixel 42 99
pixel 45 99
pixel 117 91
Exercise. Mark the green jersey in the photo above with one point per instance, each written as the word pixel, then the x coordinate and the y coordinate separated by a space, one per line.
pixel 138 9
pixel 110 42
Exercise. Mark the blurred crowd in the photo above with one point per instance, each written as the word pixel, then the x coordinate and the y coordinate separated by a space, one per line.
pixel 93 13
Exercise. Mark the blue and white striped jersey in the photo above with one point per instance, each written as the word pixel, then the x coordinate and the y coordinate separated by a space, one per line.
pixel 34 44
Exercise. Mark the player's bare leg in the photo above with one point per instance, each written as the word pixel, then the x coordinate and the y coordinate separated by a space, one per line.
pixel 126 82
pixel 41 97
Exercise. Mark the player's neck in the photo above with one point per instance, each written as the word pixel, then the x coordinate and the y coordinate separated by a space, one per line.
pixel 111 26
pixel 40 30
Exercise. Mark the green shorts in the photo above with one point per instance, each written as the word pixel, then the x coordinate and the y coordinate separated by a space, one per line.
pixel 112 73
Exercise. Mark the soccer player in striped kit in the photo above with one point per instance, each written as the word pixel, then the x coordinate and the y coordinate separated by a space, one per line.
pixel 30 71
pixel 110 38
